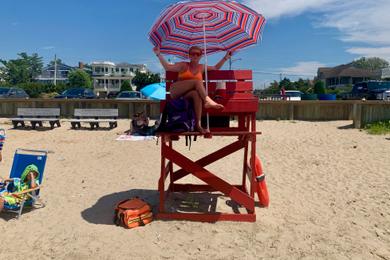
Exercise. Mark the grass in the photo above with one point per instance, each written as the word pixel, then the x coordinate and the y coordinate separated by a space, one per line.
pixel 378 128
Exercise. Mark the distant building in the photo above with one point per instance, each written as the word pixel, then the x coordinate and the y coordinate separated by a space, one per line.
pixel 108 76
pixel 385 73
pixel 48 74
pixel 346 74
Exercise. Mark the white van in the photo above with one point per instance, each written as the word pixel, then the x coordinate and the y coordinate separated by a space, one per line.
pixel 293 95
pixel 386 95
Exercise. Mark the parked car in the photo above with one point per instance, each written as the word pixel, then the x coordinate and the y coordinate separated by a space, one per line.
pixel 293 95
pixel 77 93
pixel 370 90
pixel 127 95
pixel 13 93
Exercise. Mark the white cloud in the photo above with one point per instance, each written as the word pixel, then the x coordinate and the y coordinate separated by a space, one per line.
pixel 359 21
pixel 272 9
pixel 48 48
pixel 303 68
pixel 383 52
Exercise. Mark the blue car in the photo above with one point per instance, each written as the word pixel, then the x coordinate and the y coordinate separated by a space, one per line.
pixel 12 93
pixel 84 93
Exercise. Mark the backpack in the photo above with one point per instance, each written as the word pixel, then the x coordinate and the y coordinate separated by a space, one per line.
pixel 178 116
pixel 132 213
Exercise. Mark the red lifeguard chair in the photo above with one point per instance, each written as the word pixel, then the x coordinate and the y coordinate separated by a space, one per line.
pixel 237 97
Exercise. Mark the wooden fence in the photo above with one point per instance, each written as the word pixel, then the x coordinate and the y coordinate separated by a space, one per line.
pixel 361 112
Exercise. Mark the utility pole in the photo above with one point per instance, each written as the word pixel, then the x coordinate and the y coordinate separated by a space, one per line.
pixel 231 61
pixel 55 69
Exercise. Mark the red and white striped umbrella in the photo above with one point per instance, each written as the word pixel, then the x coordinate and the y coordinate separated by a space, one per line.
pixel 216 24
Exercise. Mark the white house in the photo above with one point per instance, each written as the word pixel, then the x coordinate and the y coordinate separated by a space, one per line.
pixel 385 73
pixel 108 76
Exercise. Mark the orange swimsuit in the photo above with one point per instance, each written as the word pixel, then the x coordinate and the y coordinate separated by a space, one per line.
pixel 187 74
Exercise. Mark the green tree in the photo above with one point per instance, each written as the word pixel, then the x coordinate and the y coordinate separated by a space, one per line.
pixel 272 89
pixel 319 87
pixel 374 63
pixel 59 61
pixel 79 78
pixel 126 86
pixel 23 69
pixel 142 79
pixel 287 84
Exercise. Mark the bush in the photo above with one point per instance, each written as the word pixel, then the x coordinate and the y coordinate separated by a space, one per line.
pixel 378 128
pixel 36 89
pixel 319 87
pixel 79 78
pixel 126 86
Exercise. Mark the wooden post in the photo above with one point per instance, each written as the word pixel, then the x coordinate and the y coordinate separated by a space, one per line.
pixel 357 115
pixel 291 111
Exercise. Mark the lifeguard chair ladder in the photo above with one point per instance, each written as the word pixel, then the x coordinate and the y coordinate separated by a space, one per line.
pixel 238 101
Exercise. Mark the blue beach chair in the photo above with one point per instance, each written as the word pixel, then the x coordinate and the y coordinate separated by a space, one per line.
pixel 23 158
pixel 2 139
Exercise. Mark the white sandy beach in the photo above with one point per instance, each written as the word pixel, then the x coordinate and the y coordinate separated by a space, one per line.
pixel 329 188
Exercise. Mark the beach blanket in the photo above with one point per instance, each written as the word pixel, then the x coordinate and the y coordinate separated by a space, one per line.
pixel 135 138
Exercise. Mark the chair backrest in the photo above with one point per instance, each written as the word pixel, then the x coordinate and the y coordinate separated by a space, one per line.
pixel 39 112
pixel 24 157
pixel 232 88
pixel 99 113
pixel 238 83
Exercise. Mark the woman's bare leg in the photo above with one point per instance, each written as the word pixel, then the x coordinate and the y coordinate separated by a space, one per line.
pixel 180 88
pixel 198 105
pixel 1 204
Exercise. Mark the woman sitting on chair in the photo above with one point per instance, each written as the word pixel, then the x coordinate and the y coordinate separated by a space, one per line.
pixel 11 190
pixel 190 81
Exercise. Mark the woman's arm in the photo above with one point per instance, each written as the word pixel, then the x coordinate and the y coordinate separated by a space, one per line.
pixel 177 67
pixel 33 184
pixel 221 62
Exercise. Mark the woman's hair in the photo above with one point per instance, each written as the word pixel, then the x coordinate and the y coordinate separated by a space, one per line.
pixel 195 48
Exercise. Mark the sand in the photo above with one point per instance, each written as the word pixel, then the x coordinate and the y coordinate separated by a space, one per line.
pixel 329 188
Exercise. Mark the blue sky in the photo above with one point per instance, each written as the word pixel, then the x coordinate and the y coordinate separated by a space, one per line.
pixel 299 37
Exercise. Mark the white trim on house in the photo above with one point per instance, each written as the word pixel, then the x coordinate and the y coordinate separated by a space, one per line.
pixel 108 76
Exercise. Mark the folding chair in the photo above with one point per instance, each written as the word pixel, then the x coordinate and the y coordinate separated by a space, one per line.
pixel 23 158
pixel 2 139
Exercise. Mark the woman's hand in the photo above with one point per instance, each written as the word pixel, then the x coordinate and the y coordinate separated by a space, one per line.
pixel 156 50
pixel 228 55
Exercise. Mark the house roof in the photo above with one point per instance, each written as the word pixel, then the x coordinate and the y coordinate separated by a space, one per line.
pixel 60 66
pixel 347 70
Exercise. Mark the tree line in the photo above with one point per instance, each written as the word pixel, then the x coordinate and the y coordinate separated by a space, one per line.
pixel 307 86
pixel 23 72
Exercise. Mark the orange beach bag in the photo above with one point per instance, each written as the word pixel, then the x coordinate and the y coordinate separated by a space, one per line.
pixel 132 213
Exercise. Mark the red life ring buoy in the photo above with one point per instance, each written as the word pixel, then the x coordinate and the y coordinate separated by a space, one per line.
pixel 261 186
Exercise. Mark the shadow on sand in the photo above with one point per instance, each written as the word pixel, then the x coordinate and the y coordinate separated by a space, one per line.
pixel 346 127
pixel 102 212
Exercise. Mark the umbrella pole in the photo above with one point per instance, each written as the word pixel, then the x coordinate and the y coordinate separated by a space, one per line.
pixel 205 72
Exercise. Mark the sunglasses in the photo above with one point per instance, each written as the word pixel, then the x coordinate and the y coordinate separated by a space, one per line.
pixel 195 54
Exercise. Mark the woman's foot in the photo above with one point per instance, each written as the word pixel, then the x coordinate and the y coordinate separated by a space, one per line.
pixel 201 130
pixel 209 103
